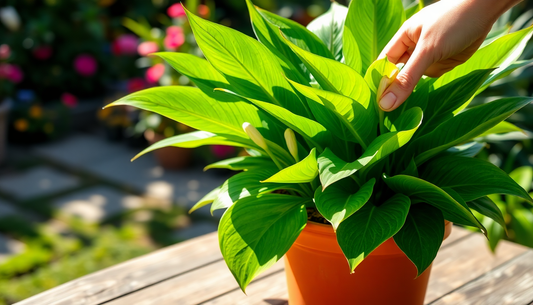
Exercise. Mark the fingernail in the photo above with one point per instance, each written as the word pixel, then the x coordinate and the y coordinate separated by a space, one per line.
pixel 388 101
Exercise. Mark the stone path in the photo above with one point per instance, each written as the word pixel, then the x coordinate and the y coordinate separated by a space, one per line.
pixel 92 180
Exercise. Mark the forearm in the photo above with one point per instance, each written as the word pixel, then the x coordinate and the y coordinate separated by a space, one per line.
pixel 493 8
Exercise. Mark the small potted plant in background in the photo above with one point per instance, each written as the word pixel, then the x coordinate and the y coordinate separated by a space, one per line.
pixel 358 200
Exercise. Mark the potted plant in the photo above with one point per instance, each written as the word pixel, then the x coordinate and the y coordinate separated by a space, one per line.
pixel 358 200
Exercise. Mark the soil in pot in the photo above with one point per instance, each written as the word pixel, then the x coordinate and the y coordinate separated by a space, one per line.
pixel 169 157
pixel 318 273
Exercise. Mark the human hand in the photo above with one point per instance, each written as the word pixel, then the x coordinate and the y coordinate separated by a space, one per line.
pixel 437 39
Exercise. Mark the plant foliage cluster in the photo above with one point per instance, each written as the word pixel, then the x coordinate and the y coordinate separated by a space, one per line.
pixel 302 101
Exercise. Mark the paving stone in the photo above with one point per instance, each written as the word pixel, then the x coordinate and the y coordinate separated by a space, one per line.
pixel 7 209
pixel 97 203
pixel 196 229
pixel 37 182
pixel 9 247
pixel 81 150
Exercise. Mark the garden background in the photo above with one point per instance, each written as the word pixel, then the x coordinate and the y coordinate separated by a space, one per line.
pixel 71 203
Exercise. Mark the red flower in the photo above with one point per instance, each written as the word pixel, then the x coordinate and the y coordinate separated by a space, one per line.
pixel 147 48
pixel 125 45
pixel 154 73
pixel 135 84
pixel 42 52
pixel 11 72
pixel 176 11
pixel 222 151
pixel 69 100
pixel 5 51
pixel 175 38
pixel 85 65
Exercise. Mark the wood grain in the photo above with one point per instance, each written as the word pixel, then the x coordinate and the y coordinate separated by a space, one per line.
pixel 133 275
pixel 511 283
pixel 193 287
pixel 466 260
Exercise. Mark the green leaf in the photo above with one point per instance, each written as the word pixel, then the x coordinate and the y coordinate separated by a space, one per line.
pixel 376 71
pixel 311 130
pixel 465 126
pixel 412 9
pixel 470 149
pixel 343 116
pixel 329 27
pixel 247 184
pixel 199 70
pixel 523 176
pixel 471 178
pixel 241 163
pixel 522 225
pixel 192 140
pixel 485 206
pixel 501 73
pixel 370 25
pixel 424 191
pixel 267 28
pixel 371 226
pixel 446 99
pixel 257 231
pixel 502 127
pixel 335 76
pixel 250 68
pixel 501 53
pixel 421 235
pixel 336 203
pixel 301 172
pixel 331 168
pixel 207 199
pixel 495 232
pixel 194 108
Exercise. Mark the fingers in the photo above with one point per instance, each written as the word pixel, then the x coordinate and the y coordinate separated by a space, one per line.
pixel 406 80
pixel 397 46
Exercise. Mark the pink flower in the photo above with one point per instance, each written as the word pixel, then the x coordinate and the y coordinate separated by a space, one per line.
pixel 176 10
pixel 135 84
pixel 175 38
pixel 11 72
pixel 69 100
pixel 222 151
pixel 42 52
pixel 154 73
pixel 85 65
pixel 147 47
pixel 5 51
pixel 125 45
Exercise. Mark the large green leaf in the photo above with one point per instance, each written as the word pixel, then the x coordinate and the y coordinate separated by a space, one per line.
pixel 454 209
pixel 331 168
pixel 335 76
pixel 421 235
pixel 487 207
pixel 370 25
pixel 199 70
pixel 194 108
pixel 522 225
pixel 446 99
pixel 329 27
pixel 502 127
pixel 501 53
pixel 371 226
pixel 301 172
pixel 268 27
pixel 192 140
pixel 242 163
pixel 250 68
pixel 336 203
pixel 346 118
pixel 207 199
pixel 471 178
pixel 247 184
pixel 257 231
pixel 465 126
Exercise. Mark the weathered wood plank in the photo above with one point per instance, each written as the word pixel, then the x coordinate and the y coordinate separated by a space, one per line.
pixel 133 275
pixel 511 283
pixel 466 260
pixel 193 287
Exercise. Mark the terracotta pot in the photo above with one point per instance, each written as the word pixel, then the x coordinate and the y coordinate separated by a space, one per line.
pixel 169 157
pixel 318 273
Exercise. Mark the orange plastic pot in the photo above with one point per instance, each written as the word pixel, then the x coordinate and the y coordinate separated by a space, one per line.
pixel 318 273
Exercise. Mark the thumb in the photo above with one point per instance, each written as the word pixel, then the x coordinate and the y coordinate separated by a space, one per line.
pixel 405 82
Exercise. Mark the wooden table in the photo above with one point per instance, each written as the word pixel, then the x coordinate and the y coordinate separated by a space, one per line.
pixel 193 272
